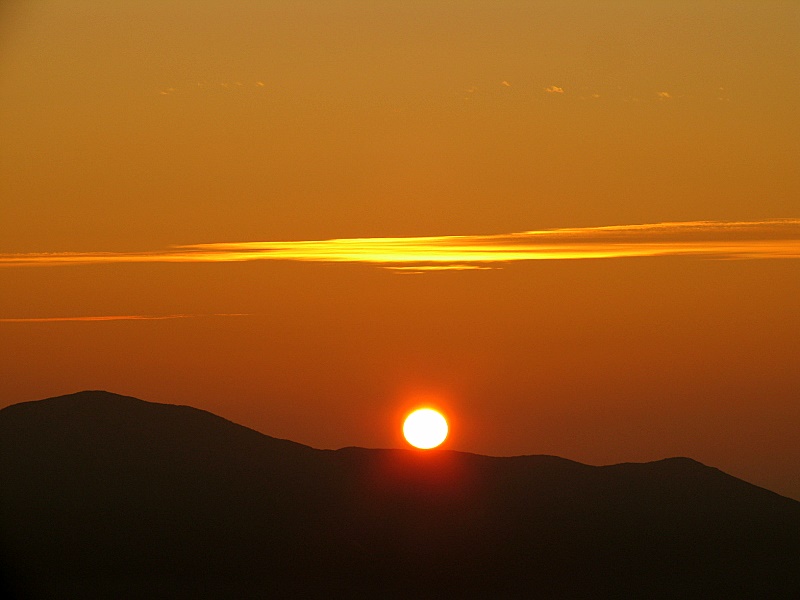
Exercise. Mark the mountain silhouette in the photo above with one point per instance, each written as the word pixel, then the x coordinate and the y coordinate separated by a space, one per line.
pixel 107 496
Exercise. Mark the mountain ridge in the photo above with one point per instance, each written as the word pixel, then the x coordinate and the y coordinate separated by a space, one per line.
pixel 172 497
pixel 103 396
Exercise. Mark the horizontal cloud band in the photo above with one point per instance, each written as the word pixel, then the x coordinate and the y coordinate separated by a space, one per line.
pixel 775 238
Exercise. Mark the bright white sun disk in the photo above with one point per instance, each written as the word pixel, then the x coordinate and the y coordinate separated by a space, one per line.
pixel 425 428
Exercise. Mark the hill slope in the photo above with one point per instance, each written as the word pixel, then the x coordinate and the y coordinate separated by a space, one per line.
pixel 108 496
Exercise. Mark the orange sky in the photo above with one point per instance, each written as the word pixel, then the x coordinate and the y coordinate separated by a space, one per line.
pixel 176 146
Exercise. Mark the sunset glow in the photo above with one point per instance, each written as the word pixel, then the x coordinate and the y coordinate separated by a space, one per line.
pixel 574 226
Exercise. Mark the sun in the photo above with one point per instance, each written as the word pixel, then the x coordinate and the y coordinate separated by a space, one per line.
pixel 425 428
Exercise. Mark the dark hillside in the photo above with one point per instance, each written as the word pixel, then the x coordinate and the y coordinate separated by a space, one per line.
pixel 107 496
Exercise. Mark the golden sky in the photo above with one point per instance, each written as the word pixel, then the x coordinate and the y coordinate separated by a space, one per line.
pixel 212 203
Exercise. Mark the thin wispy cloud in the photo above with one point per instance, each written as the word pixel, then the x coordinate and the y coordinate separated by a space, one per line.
pixel 775 238
pixel 419 269
pixel 85 319
pixel 187 88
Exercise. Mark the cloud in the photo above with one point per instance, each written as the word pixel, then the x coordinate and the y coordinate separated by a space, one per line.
pixel 418 269
pixel 774 238
pixel 113 318
pixel 554 89
pixel 664 96
pixel 505 83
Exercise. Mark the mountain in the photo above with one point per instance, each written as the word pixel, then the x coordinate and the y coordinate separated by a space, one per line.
pixel 107 496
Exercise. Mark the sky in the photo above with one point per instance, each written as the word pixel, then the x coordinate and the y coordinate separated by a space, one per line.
pixel 573 226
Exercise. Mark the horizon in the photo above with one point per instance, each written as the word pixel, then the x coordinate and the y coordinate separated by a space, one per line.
pixel 405 447
pixel 573 227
